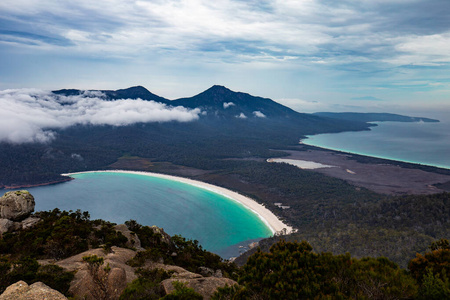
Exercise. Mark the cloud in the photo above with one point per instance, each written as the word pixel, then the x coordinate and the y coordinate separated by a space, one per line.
pixel 304 106
pixel 367 98
pixel 228 104
pixel 241 116
pixel 182 45
pixel 308 31
pixel 259 114
pixel 31 115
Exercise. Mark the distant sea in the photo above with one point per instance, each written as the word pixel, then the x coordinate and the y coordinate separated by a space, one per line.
pixel 217 222
pixel 417 142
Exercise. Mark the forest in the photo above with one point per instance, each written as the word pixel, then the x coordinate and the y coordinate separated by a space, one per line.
pixel 288 270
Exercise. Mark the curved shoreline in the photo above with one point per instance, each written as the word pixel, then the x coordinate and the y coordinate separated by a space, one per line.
pixel 271 221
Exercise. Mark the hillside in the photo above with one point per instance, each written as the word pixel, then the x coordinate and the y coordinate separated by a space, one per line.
pixel 95 259
pixel 247 128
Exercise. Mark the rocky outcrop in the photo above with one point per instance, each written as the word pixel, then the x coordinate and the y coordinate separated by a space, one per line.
pixel 6 225
pixel 205 286
pixel 17 205
pixel 15 210
pixel 37 291
pixel 165 238
pixel 118 276
pixel 133 240
pixel 208 272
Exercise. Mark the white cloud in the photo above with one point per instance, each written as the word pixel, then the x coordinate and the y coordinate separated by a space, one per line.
pixel 228 104
pixel 426 50
pixel 259 114
pixel 304 106
pixel 241 116
pixel 30 115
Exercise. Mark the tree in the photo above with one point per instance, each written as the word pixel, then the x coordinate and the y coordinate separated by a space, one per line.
pixel 182 292
pixel 432 271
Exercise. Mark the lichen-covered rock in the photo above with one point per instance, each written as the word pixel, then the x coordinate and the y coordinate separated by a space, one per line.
pixel 17 205
pixel 37 291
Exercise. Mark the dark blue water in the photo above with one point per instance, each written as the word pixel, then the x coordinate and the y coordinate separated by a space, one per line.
pixel 423 143
pixel 215 221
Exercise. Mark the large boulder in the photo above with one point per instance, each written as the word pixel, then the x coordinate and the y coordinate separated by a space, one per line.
pixel 117 278
pixel 17 205
pixel 39 291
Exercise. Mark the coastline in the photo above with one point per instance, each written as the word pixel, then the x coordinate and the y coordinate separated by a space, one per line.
pixel 269 218
pixel 379 175
pixel 20 186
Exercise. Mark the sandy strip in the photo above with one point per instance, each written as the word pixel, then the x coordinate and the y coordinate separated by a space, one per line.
pixel 263 213
pixel 302 164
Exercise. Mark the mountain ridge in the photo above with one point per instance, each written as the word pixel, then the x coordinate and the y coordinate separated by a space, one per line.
pixel 133 92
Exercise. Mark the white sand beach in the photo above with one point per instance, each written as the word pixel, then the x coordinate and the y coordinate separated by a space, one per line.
pixel 264 214
pixel 302 164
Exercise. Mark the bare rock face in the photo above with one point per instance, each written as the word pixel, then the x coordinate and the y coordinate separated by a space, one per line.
pixel 117 278
pixel 39 291
pixel 17 205
pixel 6 225
pixel 29 222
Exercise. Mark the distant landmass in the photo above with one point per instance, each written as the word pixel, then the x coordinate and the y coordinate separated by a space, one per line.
pixel 229 125
pixel 373 117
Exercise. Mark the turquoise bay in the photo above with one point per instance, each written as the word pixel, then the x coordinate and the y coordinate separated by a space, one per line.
pixel 217 222
pixel 422 143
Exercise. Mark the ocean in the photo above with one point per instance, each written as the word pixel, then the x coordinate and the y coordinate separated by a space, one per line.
pixel 220 224
pixel 417 142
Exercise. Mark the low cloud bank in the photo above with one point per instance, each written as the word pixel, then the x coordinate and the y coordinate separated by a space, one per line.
pixel 28 115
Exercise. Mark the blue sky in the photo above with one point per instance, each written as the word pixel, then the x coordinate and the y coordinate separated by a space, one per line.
pixel 312 55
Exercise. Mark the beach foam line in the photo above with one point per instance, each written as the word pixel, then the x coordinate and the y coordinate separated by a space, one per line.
pixel 268 217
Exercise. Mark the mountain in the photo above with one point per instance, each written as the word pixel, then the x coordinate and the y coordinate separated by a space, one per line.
pixel 373 117
pixel 221 101
pixel 230 125
pixel 242 112
pixel 134 92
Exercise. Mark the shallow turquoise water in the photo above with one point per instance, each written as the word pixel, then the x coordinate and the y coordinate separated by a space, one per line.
pixel 423 143
pixel 215 221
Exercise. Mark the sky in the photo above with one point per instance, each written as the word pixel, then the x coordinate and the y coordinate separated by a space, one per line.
pixel 312 55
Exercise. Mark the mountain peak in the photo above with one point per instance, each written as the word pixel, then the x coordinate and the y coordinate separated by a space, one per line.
pixel 135 92
pixel 218 89
pixel 137 88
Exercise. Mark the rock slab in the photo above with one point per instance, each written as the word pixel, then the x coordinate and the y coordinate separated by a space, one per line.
pixel 37 291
